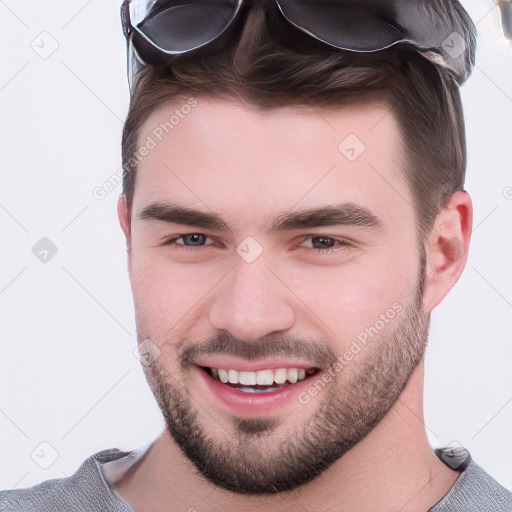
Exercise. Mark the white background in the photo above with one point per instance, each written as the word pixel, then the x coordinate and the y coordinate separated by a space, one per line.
pixel 68 375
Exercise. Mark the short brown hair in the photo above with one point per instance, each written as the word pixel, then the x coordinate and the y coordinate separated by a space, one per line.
pixel 260 71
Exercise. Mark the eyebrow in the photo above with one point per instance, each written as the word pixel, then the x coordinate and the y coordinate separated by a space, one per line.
pixel 346 214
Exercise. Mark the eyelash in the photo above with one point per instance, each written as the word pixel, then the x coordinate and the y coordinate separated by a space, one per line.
pixel 342 244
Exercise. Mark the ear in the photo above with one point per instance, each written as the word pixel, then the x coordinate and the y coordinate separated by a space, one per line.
pixel 123 214
pixel 447 248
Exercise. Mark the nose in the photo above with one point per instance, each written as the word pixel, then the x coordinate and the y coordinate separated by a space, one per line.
pixel 252 302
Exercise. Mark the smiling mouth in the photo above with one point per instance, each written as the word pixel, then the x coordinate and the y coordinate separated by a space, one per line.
pixel 261 381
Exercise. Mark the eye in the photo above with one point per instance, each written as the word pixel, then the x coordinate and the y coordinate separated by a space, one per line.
pixel 326 244
pixel 190 241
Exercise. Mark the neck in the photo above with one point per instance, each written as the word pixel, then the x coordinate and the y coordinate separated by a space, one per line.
pixel 393 468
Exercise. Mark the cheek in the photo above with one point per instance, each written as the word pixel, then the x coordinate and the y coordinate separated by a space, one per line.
pixel 167 297
pixel 346 300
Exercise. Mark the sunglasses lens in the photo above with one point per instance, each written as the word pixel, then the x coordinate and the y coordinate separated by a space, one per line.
pixel 185 26
pixel 358 26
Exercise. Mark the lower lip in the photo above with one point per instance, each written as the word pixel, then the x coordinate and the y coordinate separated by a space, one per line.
pixel 253 404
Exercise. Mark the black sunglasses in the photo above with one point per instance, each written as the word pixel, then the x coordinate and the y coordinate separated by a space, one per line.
pixel 160 31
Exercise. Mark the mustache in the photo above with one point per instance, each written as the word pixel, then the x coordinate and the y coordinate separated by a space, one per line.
pixel 316 351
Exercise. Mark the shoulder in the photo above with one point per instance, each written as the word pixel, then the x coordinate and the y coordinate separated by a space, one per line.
pixel 476 491
pixel 86 490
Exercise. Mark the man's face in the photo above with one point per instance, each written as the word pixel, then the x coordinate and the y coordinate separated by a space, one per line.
pixel 301 261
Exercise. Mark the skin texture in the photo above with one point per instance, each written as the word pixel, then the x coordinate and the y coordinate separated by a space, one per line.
pixel 363 432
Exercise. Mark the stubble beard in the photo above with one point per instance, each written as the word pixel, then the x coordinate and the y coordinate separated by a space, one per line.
pixel 256 457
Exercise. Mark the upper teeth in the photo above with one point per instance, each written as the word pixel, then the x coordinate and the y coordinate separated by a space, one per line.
pixel 261 377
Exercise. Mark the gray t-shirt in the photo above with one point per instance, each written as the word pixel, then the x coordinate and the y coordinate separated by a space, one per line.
pixel 92 488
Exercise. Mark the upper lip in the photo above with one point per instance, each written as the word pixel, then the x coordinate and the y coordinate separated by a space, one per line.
pixel 235 363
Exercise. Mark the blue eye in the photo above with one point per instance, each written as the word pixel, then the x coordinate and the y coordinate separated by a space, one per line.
pixel 194 239
pixel 318 243
pixel 191 241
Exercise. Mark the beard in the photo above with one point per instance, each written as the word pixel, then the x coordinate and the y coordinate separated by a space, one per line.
pixel 255 457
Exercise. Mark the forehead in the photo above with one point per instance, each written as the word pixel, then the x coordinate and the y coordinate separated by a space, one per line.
pixel 226 155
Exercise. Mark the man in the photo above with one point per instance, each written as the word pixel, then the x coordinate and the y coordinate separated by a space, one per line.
pixel 294 210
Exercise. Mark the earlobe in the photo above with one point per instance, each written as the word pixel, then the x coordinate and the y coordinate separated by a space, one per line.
pixel 447 248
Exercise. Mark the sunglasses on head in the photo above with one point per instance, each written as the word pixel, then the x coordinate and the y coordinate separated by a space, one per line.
pixel 160 31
